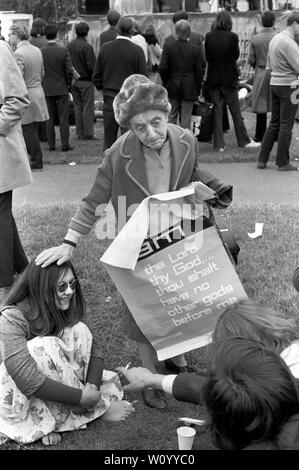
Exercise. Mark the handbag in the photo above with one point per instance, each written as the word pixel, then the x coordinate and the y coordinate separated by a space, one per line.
pixel 202 121
pixel 228 238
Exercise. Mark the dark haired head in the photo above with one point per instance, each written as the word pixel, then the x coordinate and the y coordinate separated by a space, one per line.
pixel 293 17
pixel 37 286
pixel 223 21
pixel 249 394
pixel 253 321
pixel 51 31
pixel 125 27
pixel 150 34
pixel 82 29
pixel 150 30
pixel 38 28
pixel 180 15
pixel 268 18
pixel 112 17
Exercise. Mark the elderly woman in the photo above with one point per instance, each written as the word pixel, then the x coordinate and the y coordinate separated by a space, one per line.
pixel 154 156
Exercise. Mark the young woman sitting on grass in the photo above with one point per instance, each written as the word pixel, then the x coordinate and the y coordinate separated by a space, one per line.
pixel 51 375
pixel 251 398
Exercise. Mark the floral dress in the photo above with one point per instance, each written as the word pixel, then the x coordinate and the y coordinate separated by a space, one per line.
pixel 64 359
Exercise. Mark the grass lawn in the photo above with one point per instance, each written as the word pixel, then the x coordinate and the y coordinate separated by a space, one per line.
pixel 265 268
pixel 91 151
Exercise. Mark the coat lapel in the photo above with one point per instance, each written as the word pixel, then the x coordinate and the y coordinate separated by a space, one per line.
pixel 135 168
pixel 179 153
pixel 132 150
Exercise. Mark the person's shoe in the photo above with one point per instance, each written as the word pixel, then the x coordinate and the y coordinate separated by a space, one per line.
pixel 154 398
pixel 37 169
pixel 222 149
pixel 287 167
pixel 92 137
pixel 262 165
pixel 52 148
pixel 66 149
pixel 172 367
pixel 252 145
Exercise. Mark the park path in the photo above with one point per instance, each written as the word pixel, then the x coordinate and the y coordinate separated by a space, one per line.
pixel 70 183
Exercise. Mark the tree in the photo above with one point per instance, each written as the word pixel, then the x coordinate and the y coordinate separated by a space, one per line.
pixel 49 10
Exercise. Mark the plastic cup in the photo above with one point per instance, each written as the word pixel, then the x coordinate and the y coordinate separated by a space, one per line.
pixel 185 437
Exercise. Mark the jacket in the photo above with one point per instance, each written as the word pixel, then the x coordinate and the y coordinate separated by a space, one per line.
pixel 257 58
pixel 222 53
pixel 187 387
pixel 196 38
pixel 30 61
pixel 117 60
pixel 58 70
pixel 181 69
pixel 108 35
pixel 83 57
pixel 14 163
pixel 123 173
pixel 39 41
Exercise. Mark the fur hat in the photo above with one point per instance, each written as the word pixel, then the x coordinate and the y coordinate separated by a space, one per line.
pixel 138 94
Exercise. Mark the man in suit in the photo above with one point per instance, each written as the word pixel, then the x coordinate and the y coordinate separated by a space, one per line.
pixel 56 83
pixel 195 38
pixel 83 60
pixel 30 61
pixel 14 165
pixel 181 69
pixel 116 61
pixel 109 34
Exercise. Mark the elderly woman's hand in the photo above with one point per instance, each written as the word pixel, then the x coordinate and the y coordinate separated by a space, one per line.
pixel 61 254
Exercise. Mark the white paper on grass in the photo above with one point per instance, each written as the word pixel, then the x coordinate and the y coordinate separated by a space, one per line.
pixel 125 248
pixel 258 230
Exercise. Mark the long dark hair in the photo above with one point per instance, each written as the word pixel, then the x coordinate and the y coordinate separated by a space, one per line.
pixel 150 34
pixel 38 28
pixel 223 21
pixel 37 286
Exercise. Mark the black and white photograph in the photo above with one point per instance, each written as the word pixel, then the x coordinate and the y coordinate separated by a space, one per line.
pixel 149 220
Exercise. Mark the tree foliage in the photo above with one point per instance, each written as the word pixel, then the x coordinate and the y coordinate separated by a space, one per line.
pixel 49 10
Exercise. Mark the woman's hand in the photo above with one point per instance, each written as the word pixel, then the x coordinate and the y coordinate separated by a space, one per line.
pixel 90 396
pixel 139 378
pixel 61 254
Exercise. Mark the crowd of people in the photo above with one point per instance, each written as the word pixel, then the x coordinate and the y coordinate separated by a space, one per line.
pixel 51 365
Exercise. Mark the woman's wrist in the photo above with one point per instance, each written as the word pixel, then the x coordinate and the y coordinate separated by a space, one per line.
pixel 69 242
pixel 92 386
